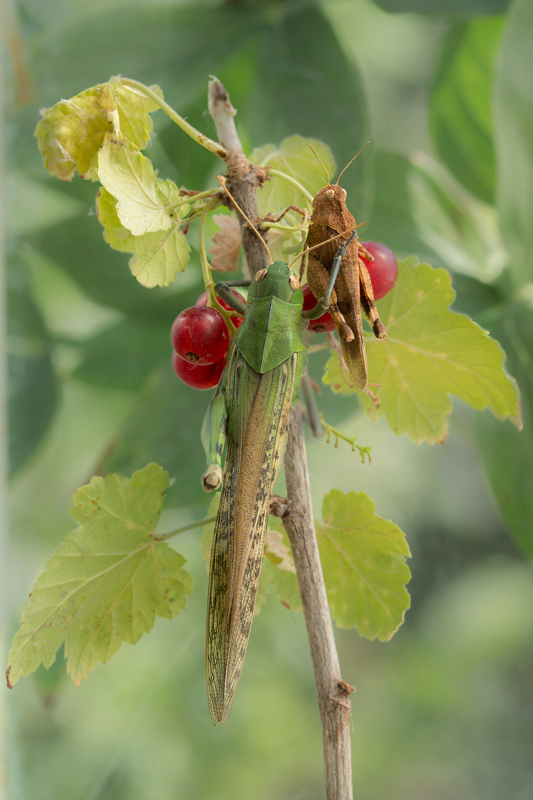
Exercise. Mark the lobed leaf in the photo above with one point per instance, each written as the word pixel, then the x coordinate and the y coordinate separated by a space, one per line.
pixel 363 558
pixel 295 158
pixel 72 131
pixel 430 353
pixel 106 582
pixel 144 202
pixel 157 256
pixel 134 108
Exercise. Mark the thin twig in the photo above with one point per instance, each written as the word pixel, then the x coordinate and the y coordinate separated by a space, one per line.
pixel 333 692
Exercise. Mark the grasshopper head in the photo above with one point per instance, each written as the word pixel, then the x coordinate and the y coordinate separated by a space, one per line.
pixel 330 198
pixel 277 281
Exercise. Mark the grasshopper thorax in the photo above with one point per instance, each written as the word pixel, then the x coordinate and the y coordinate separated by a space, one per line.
pixel 277 281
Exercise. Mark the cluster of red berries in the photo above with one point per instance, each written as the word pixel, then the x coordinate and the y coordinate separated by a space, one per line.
pixel 200 335
pixel 200 338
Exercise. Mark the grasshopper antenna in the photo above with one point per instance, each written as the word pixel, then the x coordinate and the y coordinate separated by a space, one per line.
pixel 222 182
pixel 321 162
pixel 349 162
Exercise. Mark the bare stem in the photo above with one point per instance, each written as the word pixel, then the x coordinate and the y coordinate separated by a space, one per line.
pixel 162 537
pixel 243 179
pixel 333 692
pixel 205 141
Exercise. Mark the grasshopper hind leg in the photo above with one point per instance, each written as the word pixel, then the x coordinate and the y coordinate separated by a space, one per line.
pixel 368 302
pixel 318 278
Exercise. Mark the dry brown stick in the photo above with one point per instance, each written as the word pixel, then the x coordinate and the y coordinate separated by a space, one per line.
pixel 333 692
pixel 243 178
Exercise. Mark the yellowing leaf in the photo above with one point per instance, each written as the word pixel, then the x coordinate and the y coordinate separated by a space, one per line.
pixel 157 257
pixel 106 582
pixel 363 558
pixel 133 112
pixel 430 353
pixel 295 158
pixel 277 551
pixel 144 204
pixel 71 132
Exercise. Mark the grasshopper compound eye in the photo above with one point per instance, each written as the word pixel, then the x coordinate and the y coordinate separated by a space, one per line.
pixel 260 275
pixel 330 194
pixel 294 282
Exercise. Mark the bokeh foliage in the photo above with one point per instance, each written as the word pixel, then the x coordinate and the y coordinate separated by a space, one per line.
pixel 453 186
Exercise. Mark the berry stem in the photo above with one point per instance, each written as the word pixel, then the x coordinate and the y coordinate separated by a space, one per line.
pixel 163 536
pixel 209 283
pixel 214 147
pixel 266 226
pixel 364 452
pixel 191 200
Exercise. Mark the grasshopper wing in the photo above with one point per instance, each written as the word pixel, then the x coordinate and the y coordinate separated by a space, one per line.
pixel 259 411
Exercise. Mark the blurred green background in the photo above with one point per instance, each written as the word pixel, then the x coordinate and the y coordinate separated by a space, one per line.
pixel 443 90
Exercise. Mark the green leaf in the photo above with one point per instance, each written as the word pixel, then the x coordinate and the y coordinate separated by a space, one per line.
pixel 36 204
pixel 134 108
pixel 106 583
pixel 122 355
pixel 144 202
pixel 33 387
pixel 460 107
pixel 462 231
pixel 513 107
pixel 455 8
pixel 78 247
pixel 363 558
pixel 392 221
pixel 176 47
pixel 431 352
pixel 507 453
pixel 307 85
pixel 157 256
pixel 71 132
pixel 295 158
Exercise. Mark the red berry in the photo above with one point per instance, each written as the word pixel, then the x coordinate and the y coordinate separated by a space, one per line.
pixel 200 336
pixel 383 270
pixel 198 377
pixel 202 301
pixel 323 323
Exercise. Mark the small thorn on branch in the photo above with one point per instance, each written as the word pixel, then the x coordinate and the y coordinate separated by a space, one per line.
pixel 342 696
pixel 279 506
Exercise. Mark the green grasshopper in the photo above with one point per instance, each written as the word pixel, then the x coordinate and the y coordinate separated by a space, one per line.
pixel 250 413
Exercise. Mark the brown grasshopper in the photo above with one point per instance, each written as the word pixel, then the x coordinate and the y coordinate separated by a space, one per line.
pixel 340 280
